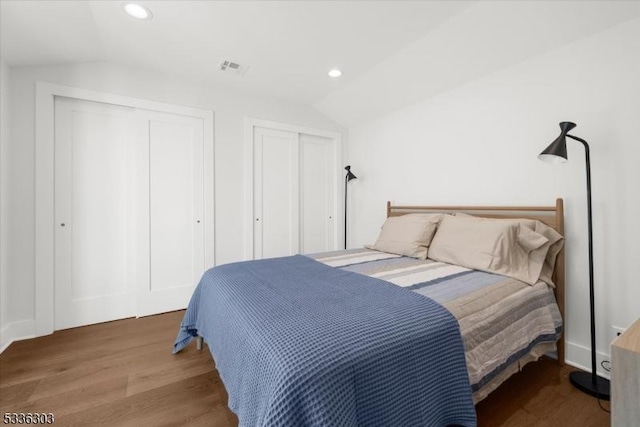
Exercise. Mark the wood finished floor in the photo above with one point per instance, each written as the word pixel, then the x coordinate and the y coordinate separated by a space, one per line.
pixel 123 374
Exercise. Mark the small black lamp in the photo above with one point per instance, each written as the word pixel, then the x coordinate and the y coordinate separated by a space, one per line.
pixel 556 152
pixel 347 178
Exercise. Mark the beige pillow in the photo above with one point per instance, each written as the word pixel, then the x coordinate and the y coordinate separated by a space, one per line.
pixel 502 247
pixel 556 241
pixel 408 235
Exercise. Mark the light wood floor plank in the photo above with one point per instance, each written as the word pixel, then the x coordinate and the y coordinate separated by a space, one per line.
pixel 181 366
pixel 77 399
pixel 17 393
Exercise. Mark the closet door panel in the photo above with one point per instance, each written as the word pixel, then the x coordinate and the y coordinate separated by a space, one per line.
pixel 316 194
pixel 276 193
pixel 93 275
pixel 99 235
pixel 174 228
pixel 175 220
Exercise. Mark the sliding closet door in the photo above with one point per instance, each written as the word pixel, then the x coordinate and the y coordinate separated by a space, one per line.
pixel 171 203
pixel 294 192
pixel 94 176
pixel 317 194
pixel 131 235
pixel 276 193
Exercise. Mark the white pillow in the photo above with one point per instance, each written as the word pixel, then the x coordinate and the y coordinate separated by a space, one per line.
pixel 408 235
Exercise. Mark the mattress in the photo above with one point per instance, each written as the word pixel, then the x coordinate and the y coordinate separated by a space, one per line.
pixel 504 323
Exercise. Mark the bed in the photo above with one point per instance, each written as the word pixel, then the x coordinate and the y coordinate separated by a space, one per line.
pixel 348 337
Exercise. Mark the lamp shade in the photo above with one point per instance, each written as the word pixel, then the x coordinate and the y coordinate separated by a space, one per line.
pixel 350 174
pixel 556 152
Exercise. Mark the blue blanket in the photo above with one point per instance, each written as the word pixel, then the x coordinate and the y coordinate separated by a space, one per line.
pixel 298 343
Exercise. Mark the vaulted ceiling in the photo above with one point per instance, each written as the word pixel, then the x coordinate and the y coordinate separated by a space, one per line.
pixel 392 53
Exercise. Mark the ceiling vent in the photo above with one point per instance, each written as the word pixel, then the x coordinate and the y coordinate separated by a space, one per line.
pixel 231 67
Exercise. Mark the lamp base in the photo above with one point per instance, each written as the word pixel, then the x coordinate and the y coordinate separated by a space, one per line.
pixel 583 381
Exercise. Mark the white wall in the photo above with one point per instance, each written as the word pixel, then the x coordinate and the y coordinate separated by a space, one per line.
pixel 478 144
pixel 230 110
pixel 4 133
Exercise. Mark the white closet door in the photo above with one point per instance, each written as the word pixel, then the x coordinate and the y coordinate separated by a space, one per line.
pixel 317 194
pixel 171 237
pixel 94 172
pixel 276 193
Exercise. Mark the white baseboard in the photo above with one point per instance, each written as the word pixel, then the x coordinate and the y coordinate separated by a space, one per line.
pixel 580 357
pixel 16 331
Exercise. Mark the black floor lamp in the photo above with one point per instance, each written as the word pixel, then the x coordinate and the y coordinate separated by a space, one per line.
pixel 556 152
pixel 347 178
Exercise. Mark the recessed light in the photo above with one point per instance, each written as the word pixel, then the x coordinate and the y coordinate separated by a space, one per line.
pixel 137 11
pixel 335 73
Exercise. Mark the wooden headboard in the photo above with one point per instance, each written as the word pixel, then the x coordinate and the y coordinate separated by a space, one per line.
pixel 553 216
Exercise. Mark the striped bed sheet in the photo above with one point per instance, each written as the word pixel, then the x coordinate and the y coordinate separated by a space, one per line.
pixel 504 323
